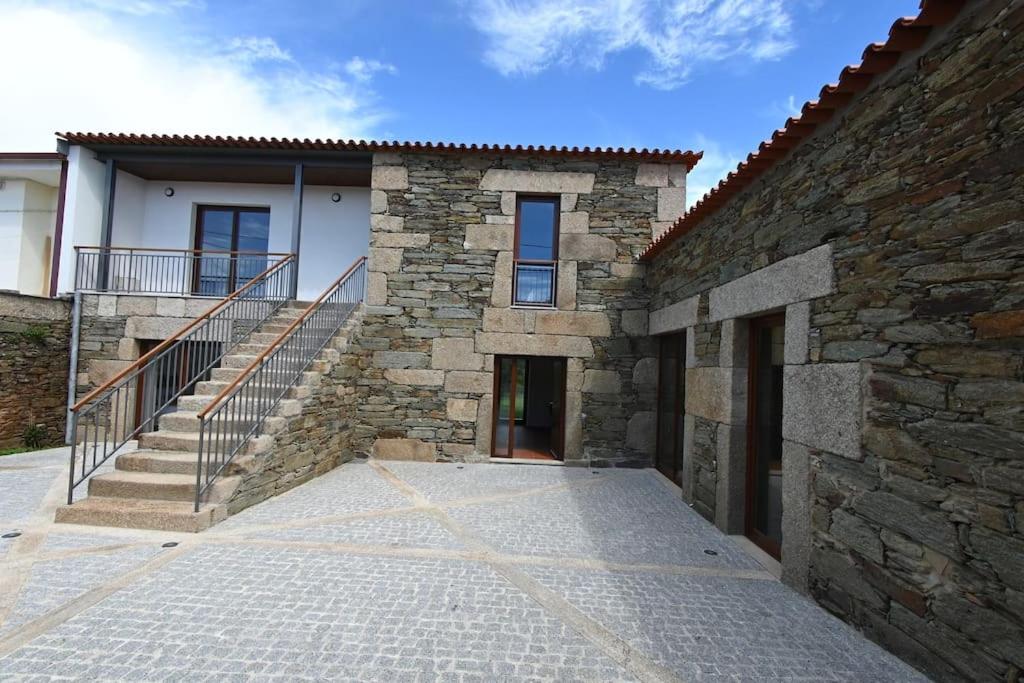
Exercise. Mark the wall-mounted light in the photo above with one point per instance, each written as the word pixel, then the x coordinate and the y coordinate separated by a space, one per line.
pixel 336 197
pixel 168 191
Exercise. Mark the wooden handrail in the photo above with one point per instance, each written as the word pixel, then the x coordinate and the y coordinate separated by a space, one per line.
pixel 186 251
pixel 277 341
pixel 170 340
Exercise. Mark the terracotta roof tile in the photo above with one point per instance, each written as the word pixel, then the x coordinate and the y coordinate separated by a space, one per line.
pixel 229 142
pixel 906 34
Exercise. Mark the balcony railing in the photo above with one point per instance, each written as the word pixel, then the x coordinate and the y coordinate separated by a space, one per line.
pixel 533 283
pixel 137 270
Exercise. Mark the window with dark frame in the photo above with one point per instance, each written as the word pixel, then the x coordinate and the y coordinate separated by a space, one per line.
pixel 535 265
pixel 221 230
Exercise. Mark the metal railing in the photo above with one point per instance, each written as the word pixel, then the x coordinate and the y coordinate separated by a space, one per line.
pixel 533 283
pixel 238 413
pixel 131 402
pixel 139 270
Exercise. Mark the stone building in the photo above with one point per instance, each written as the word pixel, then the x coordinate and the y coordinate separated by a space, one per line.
pixel 824 353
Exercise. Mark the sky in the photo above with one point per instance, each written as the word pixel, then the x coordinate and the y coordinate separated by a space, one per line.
pixel 711 75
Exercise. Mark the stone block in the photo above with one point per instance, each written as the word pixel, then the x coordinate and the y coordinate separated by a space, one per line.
pixel 798 329
pixel 586 248
pixel 534 345
pixel 546 182
pixel 389 178
pixel 675 317
pixel 468 382
pixel 387 159
pixel 384 223
pixel 998 325
pixel 404 449
pixel 489 237
pixel 734 343
pixel 573 426
pixel 455 353
pixel 565 295
pixel 660 227
pixel 508 203
pixel 376 289
pixel 136 305
pixel 796 516
pixel 601 382
pixel 568 200
pixel 483 425
pixel 154 328
pixel 798 278
pixel 574 323
pixel 634 323
pixel 378 202
pixel 384 260
pixel 100 371
pixel 501 290
pixel 821 407
pixel 717 394
pixel 922 524
pixel 645 374
pixel 671 203
pixel 423 378
pixel 508 320
pixel 106 306
pixel 731 483
pixel 574 223
pixel 629 270
pixel 651 175
pixel 400 359
pixel 168 307
pixel 677 175
pixel 641 430
pixel 128 349
pixel 412 240
pixel 462 409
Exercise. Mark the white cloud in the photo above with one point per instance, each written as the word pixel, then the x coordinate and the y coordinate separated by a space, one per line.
pixel 779 111
pixel 716 163
pixel 87 69
pixel 529 36
pixel 363 70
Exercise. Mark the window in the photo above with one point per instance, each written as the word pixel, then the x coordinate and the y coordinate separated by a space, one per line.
pixel 536 251
pixel 224 229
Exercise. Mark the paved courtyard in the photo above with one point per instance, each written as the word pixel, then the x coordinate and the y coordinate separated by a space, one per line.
pixel 406 572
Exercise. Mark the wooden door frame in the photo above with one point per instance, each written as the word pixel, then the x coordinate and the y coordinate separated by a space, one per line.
pixel 496 400
pixel 755 325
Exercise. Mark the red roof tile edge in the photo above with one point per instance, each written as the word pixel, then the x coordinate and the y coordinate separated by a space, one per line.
pixel 663 155
pixel 906 34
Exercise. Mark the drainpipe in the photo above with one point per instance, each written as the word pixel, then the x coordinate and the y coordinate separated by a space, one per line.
pixel 76 323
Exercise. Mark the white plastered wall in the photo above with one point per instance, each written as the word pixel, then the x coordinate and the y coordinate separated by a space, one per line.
pixel 27 212
pixel 83 210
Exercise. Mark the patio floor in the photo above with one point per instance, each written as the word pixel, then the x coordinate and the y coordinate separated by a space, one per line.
pixel 410 571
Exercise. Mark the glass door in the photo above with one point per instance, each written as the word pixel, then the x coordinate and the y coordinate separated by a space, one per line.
pixel 228 229
pixel 764 434
pixel 529 408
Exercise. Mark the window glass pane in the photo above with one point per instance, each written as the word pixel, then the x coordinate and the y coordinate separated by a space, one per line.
pixel 537 229
pixel 253 235
pixel 216 225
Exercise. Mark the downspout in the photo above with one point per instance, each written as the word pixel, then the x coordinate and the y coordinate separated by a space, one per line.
pixel 76 323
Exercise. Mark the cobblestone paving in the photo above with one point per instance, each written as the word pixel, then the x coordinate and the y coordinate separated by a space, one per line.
pixel 419 572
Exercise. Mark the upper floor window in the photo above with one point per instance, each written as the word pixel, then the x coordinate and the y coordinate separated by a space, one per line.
pixel 536 251
pixel 220 232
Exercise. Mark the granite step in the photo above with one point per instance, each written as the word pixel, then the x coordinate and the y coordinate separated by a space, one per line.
pixel 159 515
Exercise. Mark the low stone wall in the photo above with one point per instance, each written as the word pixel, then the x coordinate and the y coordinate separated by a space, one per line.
pixel 892 239
pixel 316 440
pixel 34 343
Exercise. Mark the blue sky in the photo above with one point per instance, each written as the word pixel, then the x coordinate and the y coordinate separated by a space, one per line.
pixel 717 75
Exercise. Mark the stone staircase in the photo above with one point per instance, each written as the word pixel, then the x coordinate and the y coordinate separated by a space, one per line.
pixel 154 486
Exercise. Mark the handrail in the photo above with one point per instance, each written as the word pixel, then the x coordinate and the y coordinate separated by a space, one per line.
pixel 177 335
pixel 183 251
pixel 239 412
pixel 277 341
pixel 132 401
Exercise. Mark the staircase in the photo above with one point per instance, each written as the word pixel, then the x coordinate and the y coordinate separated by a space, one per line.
pixel 154 487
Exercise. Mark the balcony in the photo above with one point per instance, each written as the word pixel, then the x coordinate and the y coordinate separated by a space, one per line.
pixel 168 272
pixel 533 283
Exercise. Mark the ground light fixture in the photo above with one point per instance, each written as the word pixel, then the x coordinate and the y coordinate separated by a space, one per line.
pixel 13 534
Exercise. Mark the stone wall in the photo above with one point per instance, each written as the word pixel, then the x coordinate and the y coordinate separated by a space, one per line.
pixel 34 334
pixel 440 289
pixel 317 438
pixel 894 240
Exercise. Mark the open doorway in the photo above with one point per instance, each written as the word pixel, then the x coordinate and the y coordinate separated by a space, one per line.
pixel 764 434
pixel 671 401
pixel 529 408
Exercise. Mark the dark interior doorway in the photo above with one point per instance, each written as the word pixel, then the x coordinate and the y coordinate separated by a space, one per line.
pixel 764 434
pixel 671 405
pixel 529 408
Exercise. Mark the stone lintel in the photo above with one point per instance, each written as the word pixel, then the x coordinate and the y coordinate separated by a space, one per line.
pixel 798 278
pixel 674 318
pixel 534 345
pixel 573 323
pixel 505 180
